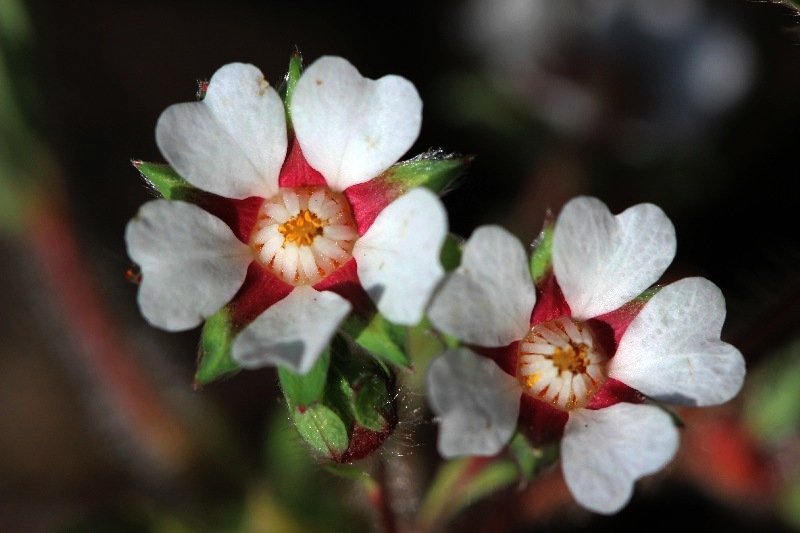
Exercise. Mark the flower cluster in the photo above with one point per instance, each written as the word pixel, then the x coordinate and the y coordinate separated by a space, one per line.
pixel 286 219
pixel 577 352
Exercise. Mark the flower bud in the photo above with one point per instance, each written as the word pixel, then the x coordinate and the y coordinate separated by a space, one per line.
pixel 344 408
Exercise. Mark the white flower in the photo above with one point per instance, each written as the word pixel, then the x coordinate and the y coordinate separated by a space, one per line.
pixel 305 238
pixel 581 351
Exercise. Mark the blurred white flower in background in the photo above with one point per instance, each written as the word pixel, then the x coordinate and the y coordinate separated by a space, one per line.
pixel 647 75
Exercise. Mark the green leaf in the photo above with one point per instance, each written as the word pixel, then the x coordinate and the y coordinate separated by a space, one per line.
pixel 322 428
pixel 451 252
pixel 433 169
pixel 378 336
pixel 371 403
pixel 542 257
pixel 309 388
pixel 289 83
pixel 165 180
pixel 214 356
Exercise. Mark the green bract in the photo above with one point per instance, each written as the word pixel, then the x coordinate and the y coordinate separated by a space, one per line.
pixel 214 353
pixel 433 169
pixel 166 181
pixel 542 256
pixel 343 408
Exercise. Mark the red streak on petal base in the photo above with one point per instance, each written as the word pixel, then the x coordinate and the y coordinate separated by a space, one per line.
pixel 260 291
pixel 296 172
pixel 610 327
pixel 368 199
pixel 614 392
pixel 346 284
pixel 239 215
pixel 550 301
pixel 505 356
pixel 539 421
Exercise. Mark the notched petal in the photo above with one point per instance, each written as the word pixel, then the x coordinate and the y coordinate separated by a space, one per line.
pixel 293 332
pixel 672 350
pixel 605 451
pixel 352 128
pixel 191 263
pixel 398 258
pixel 232 143
pixel 603 261
pixel 488 299
pixel 477 404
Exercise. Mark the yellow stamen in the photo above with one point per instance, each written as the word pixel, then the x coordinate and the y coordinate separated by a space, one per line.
pixel 555 360
pixel 572 358
pixel 531 380
pixel 302 229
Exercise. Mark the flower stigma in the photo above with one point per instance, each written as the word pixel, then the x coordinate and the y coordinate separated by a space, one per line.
pixel 561 363
pixel 304 234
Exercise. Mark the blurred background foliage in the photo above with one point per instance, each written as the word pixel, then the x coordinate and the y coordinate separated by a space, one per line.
pixel 693 105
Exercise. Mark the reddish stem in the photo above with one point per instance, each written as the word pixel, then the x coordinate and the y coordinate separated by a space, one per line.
pixel 109 362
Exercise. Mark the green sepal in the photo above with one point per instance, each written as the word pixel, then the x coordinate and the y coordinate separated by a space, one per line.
pixel 163 179
pixel 370 402
pixel 214 358
pixel 352 471
pixel 542 256
pixel 530 460
pixel 379 337
pixel 289 83
pixel 360 386
pixel 321 428
pixel 309 388
pixel 451 252
pixel 434 169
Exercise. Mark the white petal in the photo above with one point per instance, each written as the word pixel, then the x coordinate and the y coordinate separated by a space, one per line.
pixel 477 404
pixel 602 261
pixel 232 143
pixel 352 128
pixel 398 257
pixel 488 300
pixel 192 264
pixel 672 350
pixel 605 451
pixel 293 332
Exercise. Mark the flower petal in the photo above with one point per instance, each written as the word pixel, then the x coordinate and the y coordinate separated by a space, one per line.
pixel 602 261
pixel 232 143
pixel 672 350
pixel 191 262
pixel 398 258
pixel 605 451
pixel 477 404
pixel 488 299
pixel 352 128
pixel 293 332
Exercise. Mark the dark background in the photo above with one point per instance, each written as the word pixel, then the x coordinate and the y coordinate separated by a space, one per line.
pixel 89 443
